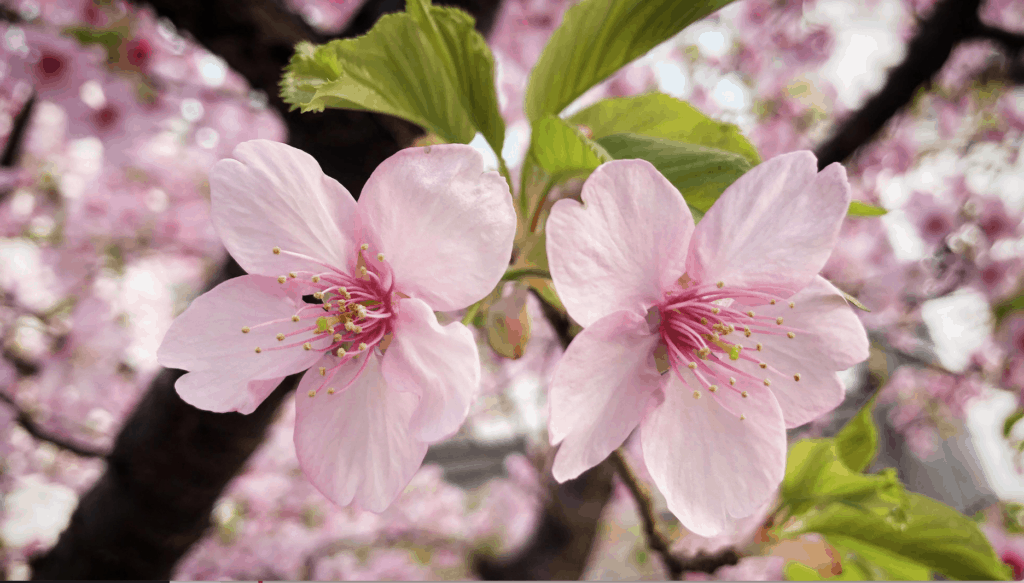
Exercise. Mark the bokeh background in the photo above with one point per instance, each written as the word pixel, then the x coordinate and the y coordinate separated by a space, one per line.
pixel 112 113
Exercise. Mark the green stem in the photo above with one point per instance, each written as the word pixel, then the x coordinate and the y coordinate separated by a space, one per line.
pixel 540 203
pixel 471 313
pixel 520 272
pixel 503 169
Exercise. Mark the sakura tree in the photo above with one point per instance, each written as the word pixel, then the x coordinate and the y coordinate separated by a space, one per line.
pixel 689 304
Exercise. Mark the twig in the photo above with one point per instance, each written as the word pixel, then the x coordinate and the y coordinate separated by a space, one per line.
pixel 10 155
pixel 35 430
pixel 656 540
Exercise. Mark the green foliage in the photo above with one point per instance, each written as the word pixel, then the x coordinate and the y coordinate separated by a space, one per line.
pixel 816 475
pixel 596 38
pixel 562 151
pixel 700 173
pixel 661 116
pixel 861 209
pixel 1007 307
pixel 933 536
pixel 857 442
pixel 1011 421
pixel 427 65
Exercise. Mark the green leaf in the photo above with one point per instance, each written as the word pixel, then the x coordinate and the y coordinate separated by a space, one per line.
pixel 1007 307
pixel 562 151
pixel 596 38
pixel 428 66
pixel 894 567
pixel 816 475
pixel 934 536
pixel 661 116
pixel 1011 421
pixel 700 173
pixel 861 209
pixel 857 442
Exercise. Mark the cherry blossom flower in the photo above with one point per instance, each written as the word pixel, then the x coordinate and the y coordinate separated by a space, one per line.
pixel 431 231
pixel 712 339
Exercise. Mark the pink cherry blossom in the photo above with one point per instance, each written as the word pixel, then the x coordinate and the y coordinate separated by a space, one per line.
pixel 431 231
pixel 712 339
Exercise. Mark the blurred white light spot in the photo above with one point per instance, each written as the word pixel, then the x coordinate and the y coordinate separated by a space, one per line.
pixel 22 203
pixel 36 511
pixel 854 61
pixel 91 94
pixel 207 138
pixel 712 43
pixel 156 200
pixel 671 79
pixel 213 70
pixel 191 109
pixel 517 138
pixel 958 324
pixel 729 93
pixel 985 416
pixel 41 226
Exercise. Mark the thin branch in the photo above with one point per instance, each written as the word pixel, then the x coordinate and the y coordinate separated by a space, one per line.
pixel 12 150
pixel 950 22
pixel 37 431
pixel 656 540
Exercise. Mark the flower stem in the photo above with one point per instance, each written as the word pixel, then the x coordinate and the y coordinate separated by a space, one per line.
pixel 521 272
pixel 540 204
pixel 656 540
pixel 471 313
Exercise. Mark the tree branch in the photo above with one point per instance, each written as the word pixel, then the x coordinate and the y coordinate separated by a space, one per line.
pixel 1011 41
pixel 950 22
pixel 37 431
pixel 171 461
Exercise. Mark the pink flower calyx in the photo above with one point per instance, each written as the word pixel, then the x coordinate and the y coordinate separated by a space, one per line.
pixel 355 314
pixel 702 330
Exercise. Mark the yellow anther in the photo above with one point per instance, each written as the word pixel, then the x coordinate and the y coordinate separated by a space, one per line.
pixel 759 347
pixel 307 346
pixel 349 325
pixel 704 321
pixel 316 279
pixel 281 279
pixel 696 394
pixel 792 305
pixel 720 284
pixel 751 313
pixel 380 257
pixel 364 246
pixel 713 388
pixel 743 417
pixel 744 394
pixel 715 310
pixel 796 377
pixel 762 365
pixel 258 350
pixel 773 302
pixel 790 335
pixel 338 337
pixel 330 390
pixel 276 250
pixel 692 365
pixel 362 346
pixel 703 353
pixel 318 295
pixel 280 337
pixel 343 289
pixel 311 393
pixel 295 318
pixel 767 383
pixel 362 271
pixel 341 353
pixel 245 329
pixel 292 274
pixel 323 371
pixel 778 320
pixel 732 381
pixel 747 332
pixel 357 329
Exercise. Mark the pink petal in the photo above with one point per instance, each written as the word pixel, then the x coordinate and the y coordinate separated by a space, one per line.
pixel 444 225
pixel 274 195
pixel 208 335
pixel 439 363
pixel 354 446
pixel 774 228
pixel 712 467
pixel 623 246
pixel 600 390
pixel 831 338
pixel 223 390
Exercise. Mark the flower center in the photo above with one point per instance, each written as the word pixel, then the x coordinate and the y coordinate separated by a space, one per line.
pixel 354 314
pixel 706 333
